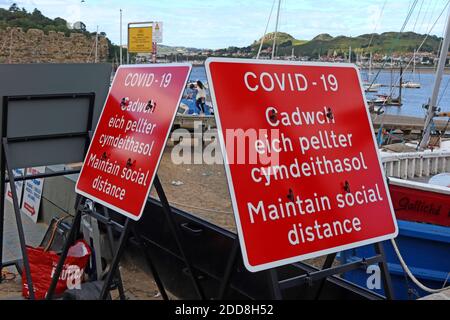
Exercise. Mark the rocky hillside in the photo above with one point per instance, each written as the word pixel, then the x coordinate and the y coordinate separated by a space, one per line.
pixel 34 46
pixel 30 37
pixel 385 43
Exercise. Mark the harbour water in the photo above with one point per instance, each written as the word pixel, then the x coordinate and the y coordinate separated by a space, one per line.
pixel 413 99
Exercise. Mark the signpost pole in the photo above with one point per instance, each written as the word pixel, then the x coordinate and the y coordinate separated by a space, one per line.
pixel 121 44
pixel 128 43
pixel 155 52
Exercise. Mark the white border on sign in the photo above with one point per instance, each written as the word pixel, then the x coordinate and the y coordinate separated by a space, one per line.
pixel 288 261
pixel 123 212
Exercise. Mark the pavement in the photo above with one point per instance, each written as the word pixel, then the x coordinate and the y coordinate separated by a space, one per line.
pixel 138 284
pixel 11 287
pixel 444 295
pixel 34 233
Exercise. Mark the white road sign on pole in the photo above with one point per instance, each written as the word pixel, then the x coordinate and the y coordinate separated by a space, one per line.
pixel 158 32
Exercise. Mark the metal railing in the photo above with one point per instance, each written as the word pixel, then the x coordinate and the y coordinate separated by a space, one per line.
pixel 416 164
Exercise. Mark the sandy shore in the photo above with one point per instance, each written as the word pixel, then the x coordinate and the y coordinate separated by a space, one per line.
pixel 202 190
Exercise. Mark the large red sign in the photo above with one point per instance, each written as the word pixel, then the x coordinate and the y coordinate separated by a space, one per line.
pixel 303 169
pixel 131 135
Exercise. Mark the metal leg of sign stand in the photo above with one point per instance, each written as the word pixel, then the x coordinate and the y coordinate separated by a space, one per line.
pixel 116 260
pixel 26 263
pixel 226 281
pixel 129 227
pixel 383 267
pixel 126 230
pixel 274 284
pixel 387 281
pixel 70 239
pixel 328 264
pixel 2 208
pixel 112 246
pixel 177 235
pixel 155 274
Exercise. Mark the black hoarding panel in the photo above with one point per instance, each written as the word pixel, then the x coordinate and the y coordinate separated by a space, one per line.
pixel 51 100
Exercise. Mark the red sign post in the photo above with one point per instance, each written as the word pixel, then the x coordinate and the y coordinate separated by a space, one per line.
pixel 303 168
pixel 127 146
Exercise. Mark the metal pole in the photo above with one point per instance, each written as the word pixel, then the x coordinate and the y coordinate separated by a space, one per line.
pixel 116 260
pixel 155 52
pixel 276 31
pixel 128 44
pixel 274 284
pixel 265 31
pixel 121 45
pixel 432 106
pixel 20 230
pixel 2 193
pixel 96 46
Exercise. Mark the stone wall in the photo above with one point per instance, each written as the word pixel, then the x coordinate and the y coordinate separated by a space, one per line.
pixel 34 46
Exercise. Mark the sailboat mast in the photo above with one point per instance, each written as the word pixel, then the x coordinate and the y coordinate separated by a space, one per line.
pixel 276 30
pixel 432 106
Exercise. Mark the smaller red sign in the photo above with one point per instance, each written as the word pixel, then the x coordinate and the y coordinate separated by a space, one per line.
pixel 127 146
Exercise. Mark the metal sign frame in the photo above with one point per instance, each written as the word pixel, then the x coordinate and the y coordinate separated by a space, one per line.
pixel 48 111
pixel 154 51
pixel 8 164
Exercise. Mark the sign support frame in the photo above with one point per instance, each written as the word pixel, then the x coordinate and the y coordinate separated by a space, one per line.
pixel 7 166
pixel 315 279
pixel 129 227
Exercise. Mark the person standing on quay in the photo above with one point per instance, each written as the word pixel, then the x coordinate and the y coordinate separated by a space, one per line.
pixel 201 97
